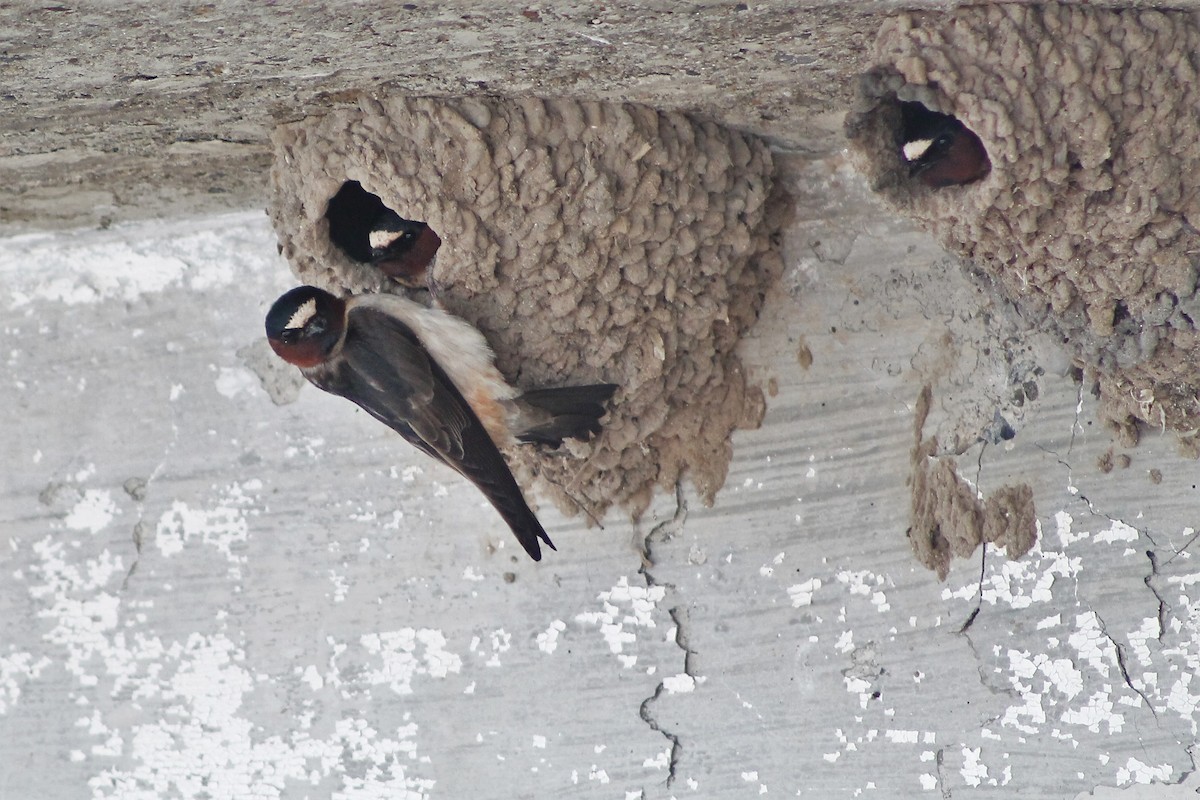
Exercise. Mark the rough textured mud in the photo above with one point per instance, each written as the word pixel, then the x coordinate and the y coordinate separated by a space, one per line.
pixel 948 518
pixel 1089 217
pixel 588 241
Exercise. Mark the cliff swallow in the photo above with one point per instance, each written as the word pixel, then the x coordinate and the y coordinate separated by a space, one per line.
pixel 369 232
pixel 939 149
pixel 430 377
pixel 402 248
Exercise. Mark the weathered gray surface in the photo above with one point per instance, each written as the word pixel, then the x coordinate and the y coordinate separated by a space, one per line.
pixel 118 112
pixel 315 611
pixel 205 594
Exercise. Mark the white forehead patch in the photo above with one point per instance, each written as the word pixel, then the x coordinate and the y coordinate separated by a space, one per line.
pixel 381 239
pixel 303 314
pixel 916 148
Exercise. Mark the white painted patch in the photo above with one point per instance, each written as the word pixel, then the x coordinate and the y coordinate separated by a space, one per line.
pixel 131 260
pixel 1096 713
pixel 928 782
pixel 1092 644
pixel 1118 532
pixel 801 594
pixel 407 653
pixel 973 771
pixel 17 669
pixel 341 586
pixel 679 684
pixel 223 527
pixel 865 583
pixel 1136 772
pixel 618 628
pixel 1063 522
pixel 313 678
pixel 501 641
pixel 547 641
pixel 93 512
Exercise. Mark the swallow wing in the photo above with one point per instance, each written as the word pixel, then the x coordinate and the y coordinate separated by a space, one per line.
pixel 384 368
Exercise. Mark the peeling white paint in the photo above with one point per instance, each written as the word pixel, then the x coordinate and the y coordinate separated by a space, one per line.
pixel 129 261
pixel 1135 771
pixel 617 627
pixel 1118 532
pixel 401 661
pixel 17 669
pixel 679 684
pixel 865 583
pixel 94 511
pixel 973 771
pixel 547 641
pixel 801 594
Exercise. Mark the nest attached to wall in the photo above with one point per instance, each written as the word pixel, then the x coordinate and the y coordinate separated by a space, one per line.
pixel 588 241
pixel 1090 216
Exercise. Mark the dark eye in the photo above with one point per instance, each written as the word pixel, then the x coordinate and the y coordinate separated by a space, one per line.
pixel 289 335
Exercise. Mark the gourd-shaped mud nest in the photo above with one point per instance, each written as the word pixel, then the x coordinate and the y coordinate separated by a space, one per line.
pixel 1086 206
pixel 587 241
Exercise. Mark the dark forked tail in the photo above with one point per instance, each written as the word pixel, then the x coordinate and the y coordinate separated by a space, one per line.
pixel 548 416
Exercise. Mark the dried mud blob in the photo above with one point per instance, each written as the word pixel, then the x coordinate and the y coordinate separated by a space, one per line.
pixel 588 241
pixel 1089 215
pixel 948 519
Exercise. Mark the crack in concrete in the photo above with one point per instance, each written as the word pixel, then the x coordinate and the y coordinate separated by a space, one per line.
pixel 1162 604
pixel 1150 554
pixel 941 777
pixel 1120 651
pixel 663 532
pixel 982 556
pixel 139 535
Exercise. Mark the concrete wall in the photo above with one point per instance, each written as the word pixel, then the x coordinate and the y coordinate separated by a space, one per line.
pixel 216 582
pixel 207 594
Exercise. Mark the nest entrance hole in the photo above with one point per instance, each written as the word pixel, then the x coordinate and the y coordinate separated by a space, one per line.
pixel 938 149
pixel 363 227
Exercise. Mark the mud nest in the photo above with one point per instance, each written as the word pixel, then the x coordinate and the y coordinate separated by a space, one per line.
pixel 949 518
pixel 588 241
pixel 1088 217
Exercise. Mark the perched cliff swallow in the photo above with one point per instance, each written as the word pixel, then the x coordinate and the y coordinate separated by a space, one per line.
pixel 369 232
pixel 402 248
pixel 430 377
pixel 939 149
